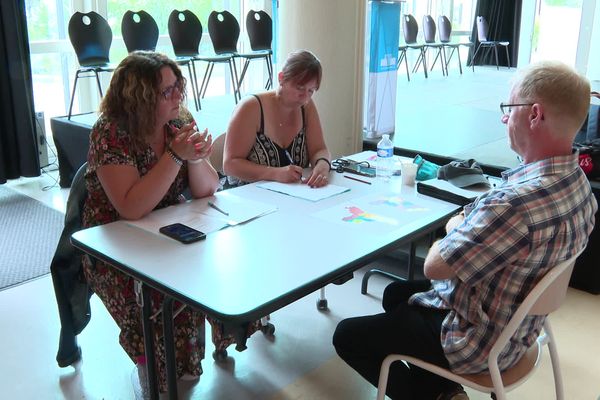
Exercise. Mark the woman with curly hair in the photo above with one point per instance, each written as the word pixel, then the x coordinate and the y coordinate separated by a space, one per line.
pixel 144 152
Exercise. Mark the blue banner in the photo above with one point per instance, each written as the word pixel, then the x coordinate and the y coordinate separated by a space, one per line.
pixel 385 34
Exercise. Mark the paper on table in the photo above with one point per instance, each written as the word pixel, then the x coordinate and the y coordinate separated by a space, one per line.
pixel 240 209
pixel 199 215
pixel 303 191
pixel 186 213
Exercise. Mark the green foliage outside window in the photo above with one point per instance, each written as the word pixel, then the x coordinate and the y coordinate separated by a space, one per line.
pixel 563 3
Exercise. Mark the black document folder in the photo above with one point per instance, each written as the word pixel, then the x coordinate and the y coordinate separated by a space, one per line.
pixel 446 191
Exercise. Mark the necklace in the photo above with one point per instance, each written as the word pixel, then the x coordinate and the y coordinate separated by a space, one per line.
pixel 282 121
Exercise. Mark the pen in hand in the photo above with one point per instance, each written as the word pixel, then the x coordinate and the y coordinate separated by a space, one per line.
pixel 289 157
pixel 291 160
pixel 213 205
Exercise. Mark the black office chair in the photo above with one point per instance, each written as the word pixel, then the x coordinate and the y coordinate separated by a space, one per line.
pixel 260 32
pixel 91 38
pixel 486 43
pixel 224 31
pixel 429 30
pixel 410 30
pixel 185 32
pixel 139 30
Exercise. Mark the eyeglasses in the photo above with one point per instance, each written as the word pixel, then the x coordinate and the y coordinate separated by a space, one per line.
pixel 507 108
pixel 168 92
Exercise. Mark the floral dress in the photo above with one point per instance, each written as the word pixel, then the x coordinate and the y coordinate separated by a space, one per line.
pixel 111 145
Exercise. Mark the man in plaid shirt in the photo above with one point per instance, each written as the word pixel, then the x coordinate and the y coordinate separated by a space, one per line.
pixel 493 254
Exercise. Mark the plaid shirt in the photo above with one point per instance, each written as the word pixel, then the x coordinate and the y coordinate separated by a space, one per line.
pixel 540 215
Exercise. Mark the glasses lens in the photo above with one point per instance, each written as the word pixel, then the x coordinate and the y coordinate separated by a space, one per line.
pixel 168 92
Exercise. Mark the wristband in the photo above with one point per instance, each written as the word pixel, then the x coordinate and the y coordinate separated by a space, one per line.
pixel 323 159
pixel 174 156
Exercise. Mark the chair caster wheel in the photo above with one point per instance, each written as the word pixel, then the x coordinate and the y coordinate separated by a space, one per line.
pixel 321 304
pixel 268 329
pixel 219 355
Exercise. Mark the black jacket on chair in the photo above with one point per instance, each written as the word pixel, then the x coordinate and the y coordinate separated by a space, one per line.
pixel 71 290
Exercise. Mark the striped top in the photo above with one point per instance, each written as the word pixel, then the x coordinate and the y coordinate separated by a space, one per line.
pixel 540 215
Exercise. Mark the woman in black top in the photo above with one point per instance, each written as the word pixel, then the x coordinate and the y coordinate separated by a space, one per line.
pixel 274 135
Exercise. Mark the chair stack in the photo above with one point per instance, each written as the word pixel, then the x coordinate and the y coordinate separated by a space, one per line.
pixel 91 37
pixel 185 32
pixel 260 32
pixel 410 30
pixel 445 30
pixel 429 30
pixel 486 43
pixel 224 31
pixel 139 31
pixel 410 33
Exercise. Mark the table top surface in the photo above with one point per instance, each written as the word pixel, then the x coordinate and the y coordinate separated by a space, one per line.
pixel 245 271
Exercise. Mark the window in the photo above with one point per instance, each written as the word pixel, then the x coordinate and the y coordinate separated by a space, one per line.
pixel 54 62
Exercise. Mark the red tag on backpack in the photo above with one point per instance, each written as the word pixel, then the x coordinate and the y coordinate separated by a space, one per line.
pixel 586 163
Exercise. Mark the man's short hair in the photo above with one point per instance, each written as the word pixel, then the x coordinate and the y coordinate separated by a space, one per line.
pixel 558 87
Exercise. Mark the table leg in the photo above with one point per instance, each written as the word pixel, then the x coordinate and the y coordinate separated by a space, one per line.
pixel 411 261
pixel 169 347
pixel 149 342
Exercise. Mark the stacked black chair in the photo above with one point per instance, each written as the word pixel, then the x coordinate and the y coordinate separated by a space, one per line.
pixel 260 32
pixel 429 30
pixel 91 38
pixel 486 43
pixel 224 31
pixel 445 30
pixel 185 32
pixel 410 31
pixel 139 30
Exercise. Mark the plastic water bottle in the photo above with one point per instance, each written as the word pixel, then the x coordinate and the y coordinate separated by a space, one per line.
pixel 385 153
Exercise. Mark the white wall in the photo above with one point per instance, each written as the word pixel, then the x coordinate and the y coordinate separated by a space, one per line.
pixel 593 67
pixel 335 31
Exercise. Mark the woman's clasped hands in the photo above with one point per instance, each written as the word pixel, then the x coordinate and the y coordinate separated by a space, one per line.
pixel 190 144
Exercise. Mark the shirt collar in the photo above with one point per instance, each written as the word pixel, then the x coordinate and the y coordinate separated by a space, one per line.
pixel 536 169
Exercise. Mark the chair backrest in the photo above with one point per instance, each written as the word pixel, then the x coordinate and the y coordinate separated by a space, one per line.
pixel 410 28
pixel 224 31
pixel 139 30
pixel 482 29
pixel 546 297
pixel 553 288
pixel 91 38
pixel 185 32
pixel 444 28
pixel 216 156
pixel 428 29
pixel 260 30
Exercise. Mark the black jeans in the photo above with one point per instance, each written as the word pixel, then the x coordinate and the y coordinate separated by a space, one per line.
pixel 363 343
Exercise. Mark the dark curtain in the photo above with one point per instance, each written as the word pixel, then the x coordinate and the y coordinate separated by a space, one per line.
pixel 18 140
pixel 504 19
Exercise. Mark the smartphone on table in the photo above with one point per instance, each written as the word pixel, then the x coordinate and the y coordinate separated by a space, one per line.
pixel 182 233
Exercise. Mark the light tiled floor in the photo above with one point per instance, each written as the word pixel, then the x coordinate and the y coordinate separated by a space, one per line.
pixel 299 363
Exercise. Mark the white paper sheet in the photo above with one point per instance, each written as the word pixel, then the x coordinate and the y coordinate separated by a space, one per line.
pixel 199 215
pixel 303 191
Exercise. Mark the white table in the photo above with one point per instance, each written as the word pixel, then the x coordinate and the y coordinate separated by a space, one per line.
pixel 288 254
